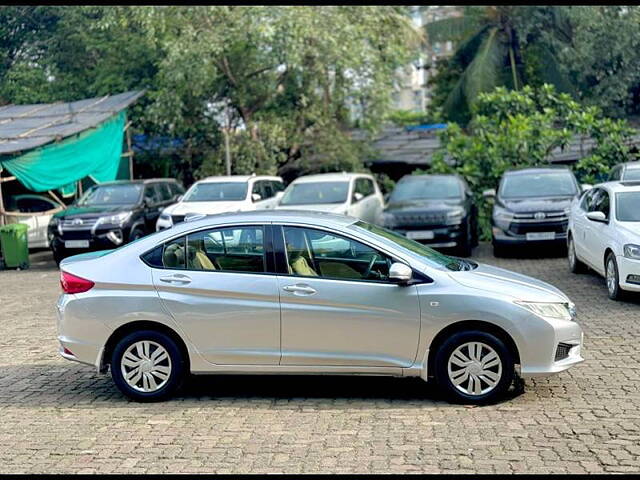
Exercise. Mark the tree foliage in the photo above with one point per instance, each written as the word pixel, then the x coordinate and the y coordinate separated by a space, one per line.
pixel 516 129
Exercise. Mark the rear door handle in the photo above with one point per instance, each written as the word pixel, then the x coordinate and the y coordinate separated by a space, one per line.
pixel 176 278
pixel 299 289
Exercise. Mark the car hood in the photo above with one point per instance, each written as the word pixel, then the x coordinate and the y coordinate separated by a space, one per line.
pixel 536 204
pixel 422 205
pixel 206 208
pixel 320 207
pixel 520 287
pixel 91 212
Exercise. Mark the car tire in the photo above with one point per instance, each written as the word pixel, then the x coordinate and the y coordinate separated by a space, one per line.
pixel 136 234
pixel 474 367
pixel 465 248
pixel 575 265
pixel 147 366
pixel 499 250
pixel 58 256
pixel 612 278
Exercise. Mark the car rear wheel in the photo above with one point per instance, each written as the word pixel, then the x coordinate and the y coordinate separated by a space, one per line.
pixel 147 366
pixel 474 367
pixel 612 278
pixel 575 265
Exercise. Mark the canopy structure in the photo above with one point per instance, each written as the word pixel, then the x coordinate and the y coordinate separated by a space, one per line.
pixel 53 146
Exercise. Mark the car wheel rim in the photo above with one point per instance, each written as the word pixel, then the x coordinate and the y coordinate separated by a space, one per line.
pixel 146 366
pixel 611 276
pixel 474 368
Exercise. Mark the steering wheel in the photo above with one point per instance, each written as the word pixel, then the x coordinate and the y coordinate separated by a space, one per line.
pixel 371 263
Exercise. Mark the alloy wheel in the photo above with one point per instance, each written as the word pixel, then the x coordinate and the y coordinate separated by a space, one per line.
pixel 611 276
pixel 146 366
pixel 572 255
pixel 474 368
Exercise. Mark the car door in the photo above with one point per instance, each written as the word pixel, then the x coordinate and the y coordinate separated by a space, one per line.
pixel 333 313
pixel 215 284
pixel 266 192
pixel 598 236
pixel 153 205
pixel 581 225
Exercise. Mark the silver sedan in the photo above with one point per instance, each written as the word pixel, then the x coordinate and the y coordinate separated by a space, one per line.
pixel 307 293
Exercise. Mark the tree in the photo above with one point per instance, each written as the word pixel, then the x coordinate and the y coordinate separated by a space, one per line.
pixel 496 46
pixel 512 129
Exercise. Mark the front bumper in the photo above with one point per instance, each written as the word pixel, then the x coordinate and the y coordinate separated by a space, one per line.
pixel 627 269
pixel 444 236
pixel 102 239
pixel 502 237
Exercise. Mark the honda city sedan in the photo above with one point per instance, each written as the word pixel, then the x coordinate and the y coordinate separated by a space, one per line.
pixel 292 292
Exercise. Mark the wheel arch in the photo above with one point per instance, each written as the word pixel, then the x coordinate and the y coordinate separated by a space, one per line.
pixel 466 325
pixel 607 251
pixel 138 325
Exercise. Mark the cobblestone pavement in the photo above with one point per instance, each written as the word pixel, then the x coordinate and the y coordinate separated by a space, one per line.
pixel 57 416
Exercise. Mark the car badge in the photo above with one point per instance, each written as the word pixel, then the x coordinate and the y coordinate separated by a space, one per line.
pixel 539 215
pixel 77 221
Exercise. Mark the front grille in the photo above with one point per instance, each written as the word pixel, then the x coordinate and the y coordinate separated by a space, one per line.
pixel 419 219
pixel 524 228
pixel 536 216
pixel 78 223
pixel 562 351
pixel 177 218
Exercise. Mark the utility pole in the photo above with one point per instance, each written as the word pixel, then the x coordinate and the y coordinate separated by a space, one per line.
pixel 227 153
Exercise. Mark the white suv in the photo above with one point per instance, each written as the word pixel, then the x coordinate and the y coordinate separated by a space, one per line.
pixel 353 194
pixel 604 234
pixel 234 193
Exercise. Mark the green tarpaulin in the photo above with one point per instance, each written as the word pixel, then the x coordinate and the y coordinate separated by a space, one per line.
pixel 95 153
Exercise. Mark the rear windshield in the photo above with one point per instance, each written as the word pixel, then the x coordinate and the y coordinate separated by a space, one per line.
pixel 627 206
pixel 546 184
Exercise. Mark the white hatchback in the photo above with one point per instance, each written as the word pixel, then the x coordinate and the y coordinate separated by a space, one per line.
pixel 235 193
pixel 604 234
pixel 354 194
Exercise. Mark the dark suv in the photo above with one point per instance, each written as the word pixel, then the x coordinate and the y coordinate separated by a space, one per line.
pixel 532 207
pixel 111 214
pixel 436 210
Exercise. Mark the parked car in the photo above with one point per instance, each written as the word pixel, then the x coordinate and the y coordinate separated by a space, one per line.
pixel 111 214
pixel 629 171
pixel 277 292
pixel 353 194
pixel 436 210
pixel 604 234
pixel 42 206
pixel 532 207
pixel 234 193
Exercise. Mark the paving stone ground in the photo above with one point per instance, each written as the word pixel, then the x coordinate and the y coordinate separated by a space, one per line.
pixel 59 417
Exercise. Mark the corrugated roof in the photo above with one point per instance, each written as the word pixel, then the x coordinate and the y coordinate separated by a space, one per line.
pixel 23 127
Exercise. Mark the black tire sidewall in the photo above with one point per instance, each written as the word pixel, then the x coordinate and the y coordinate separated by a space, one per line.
pixel 136 232
pixel 446 349
pixel 177 365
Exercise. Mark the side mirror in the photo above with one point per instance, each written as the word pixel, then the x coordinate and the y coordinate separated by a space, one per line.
pixel 490 193
pixel 586 187
pixel 400 273
pixel 358 196
pixel 597 217
pixel 256 197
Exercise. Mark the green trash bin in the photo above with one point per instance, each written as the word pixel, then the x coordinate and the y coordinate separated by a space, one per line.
pixel 15 245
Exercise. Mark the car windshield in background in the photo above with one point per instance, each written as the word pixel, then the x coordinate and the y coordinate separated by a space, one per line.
pixel 538 185
pixel 627 206
pixel 217 192
pixel 427 253
pixel 112 195
pixel 632 174
pixel 426 188
pixel 317 192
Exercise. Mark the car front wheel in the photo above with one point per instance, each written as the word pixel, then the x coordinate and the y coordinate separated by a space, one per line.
pixel 474 367
pixel 613 279
pixel 147 366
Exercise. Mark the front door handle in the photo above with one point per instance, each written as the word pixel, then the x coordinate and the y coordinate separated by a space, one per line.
pixel 176 278
pixel 299 289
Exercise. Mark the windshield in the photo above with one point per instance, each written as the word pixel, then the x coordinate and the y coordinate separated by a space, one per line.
pixel 425 252
pixel 217 192
pixel 631 174
pixel 426 188
pixel 627 207
pixel 126 194
pixel 538 185
pixel 316 192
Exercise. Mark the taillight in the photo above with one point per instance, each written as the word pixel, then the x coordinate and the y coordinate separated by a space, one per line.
pixel 72 284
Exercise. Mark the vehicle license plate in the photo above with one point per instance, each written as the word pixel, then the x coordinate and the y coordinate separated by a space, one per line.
pixel 420 235
pixel 541 236
pixel 76 244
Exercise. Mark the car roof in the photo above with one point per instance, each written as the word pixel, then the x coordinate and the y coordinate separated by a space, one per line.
pixel 237 178
pixel 139 181
pixel 431 175
pixel 529 170
pixel 621 186
pixel 330 177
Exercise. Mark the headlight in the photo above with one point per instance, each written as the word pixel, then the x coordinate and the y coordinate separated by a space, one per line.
pixel 54 221
pixel 117 219
pixel 502 214
pixel 166 217
pixel 559 311
pixel 388 220
pixel 455 215
pixel 632 251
